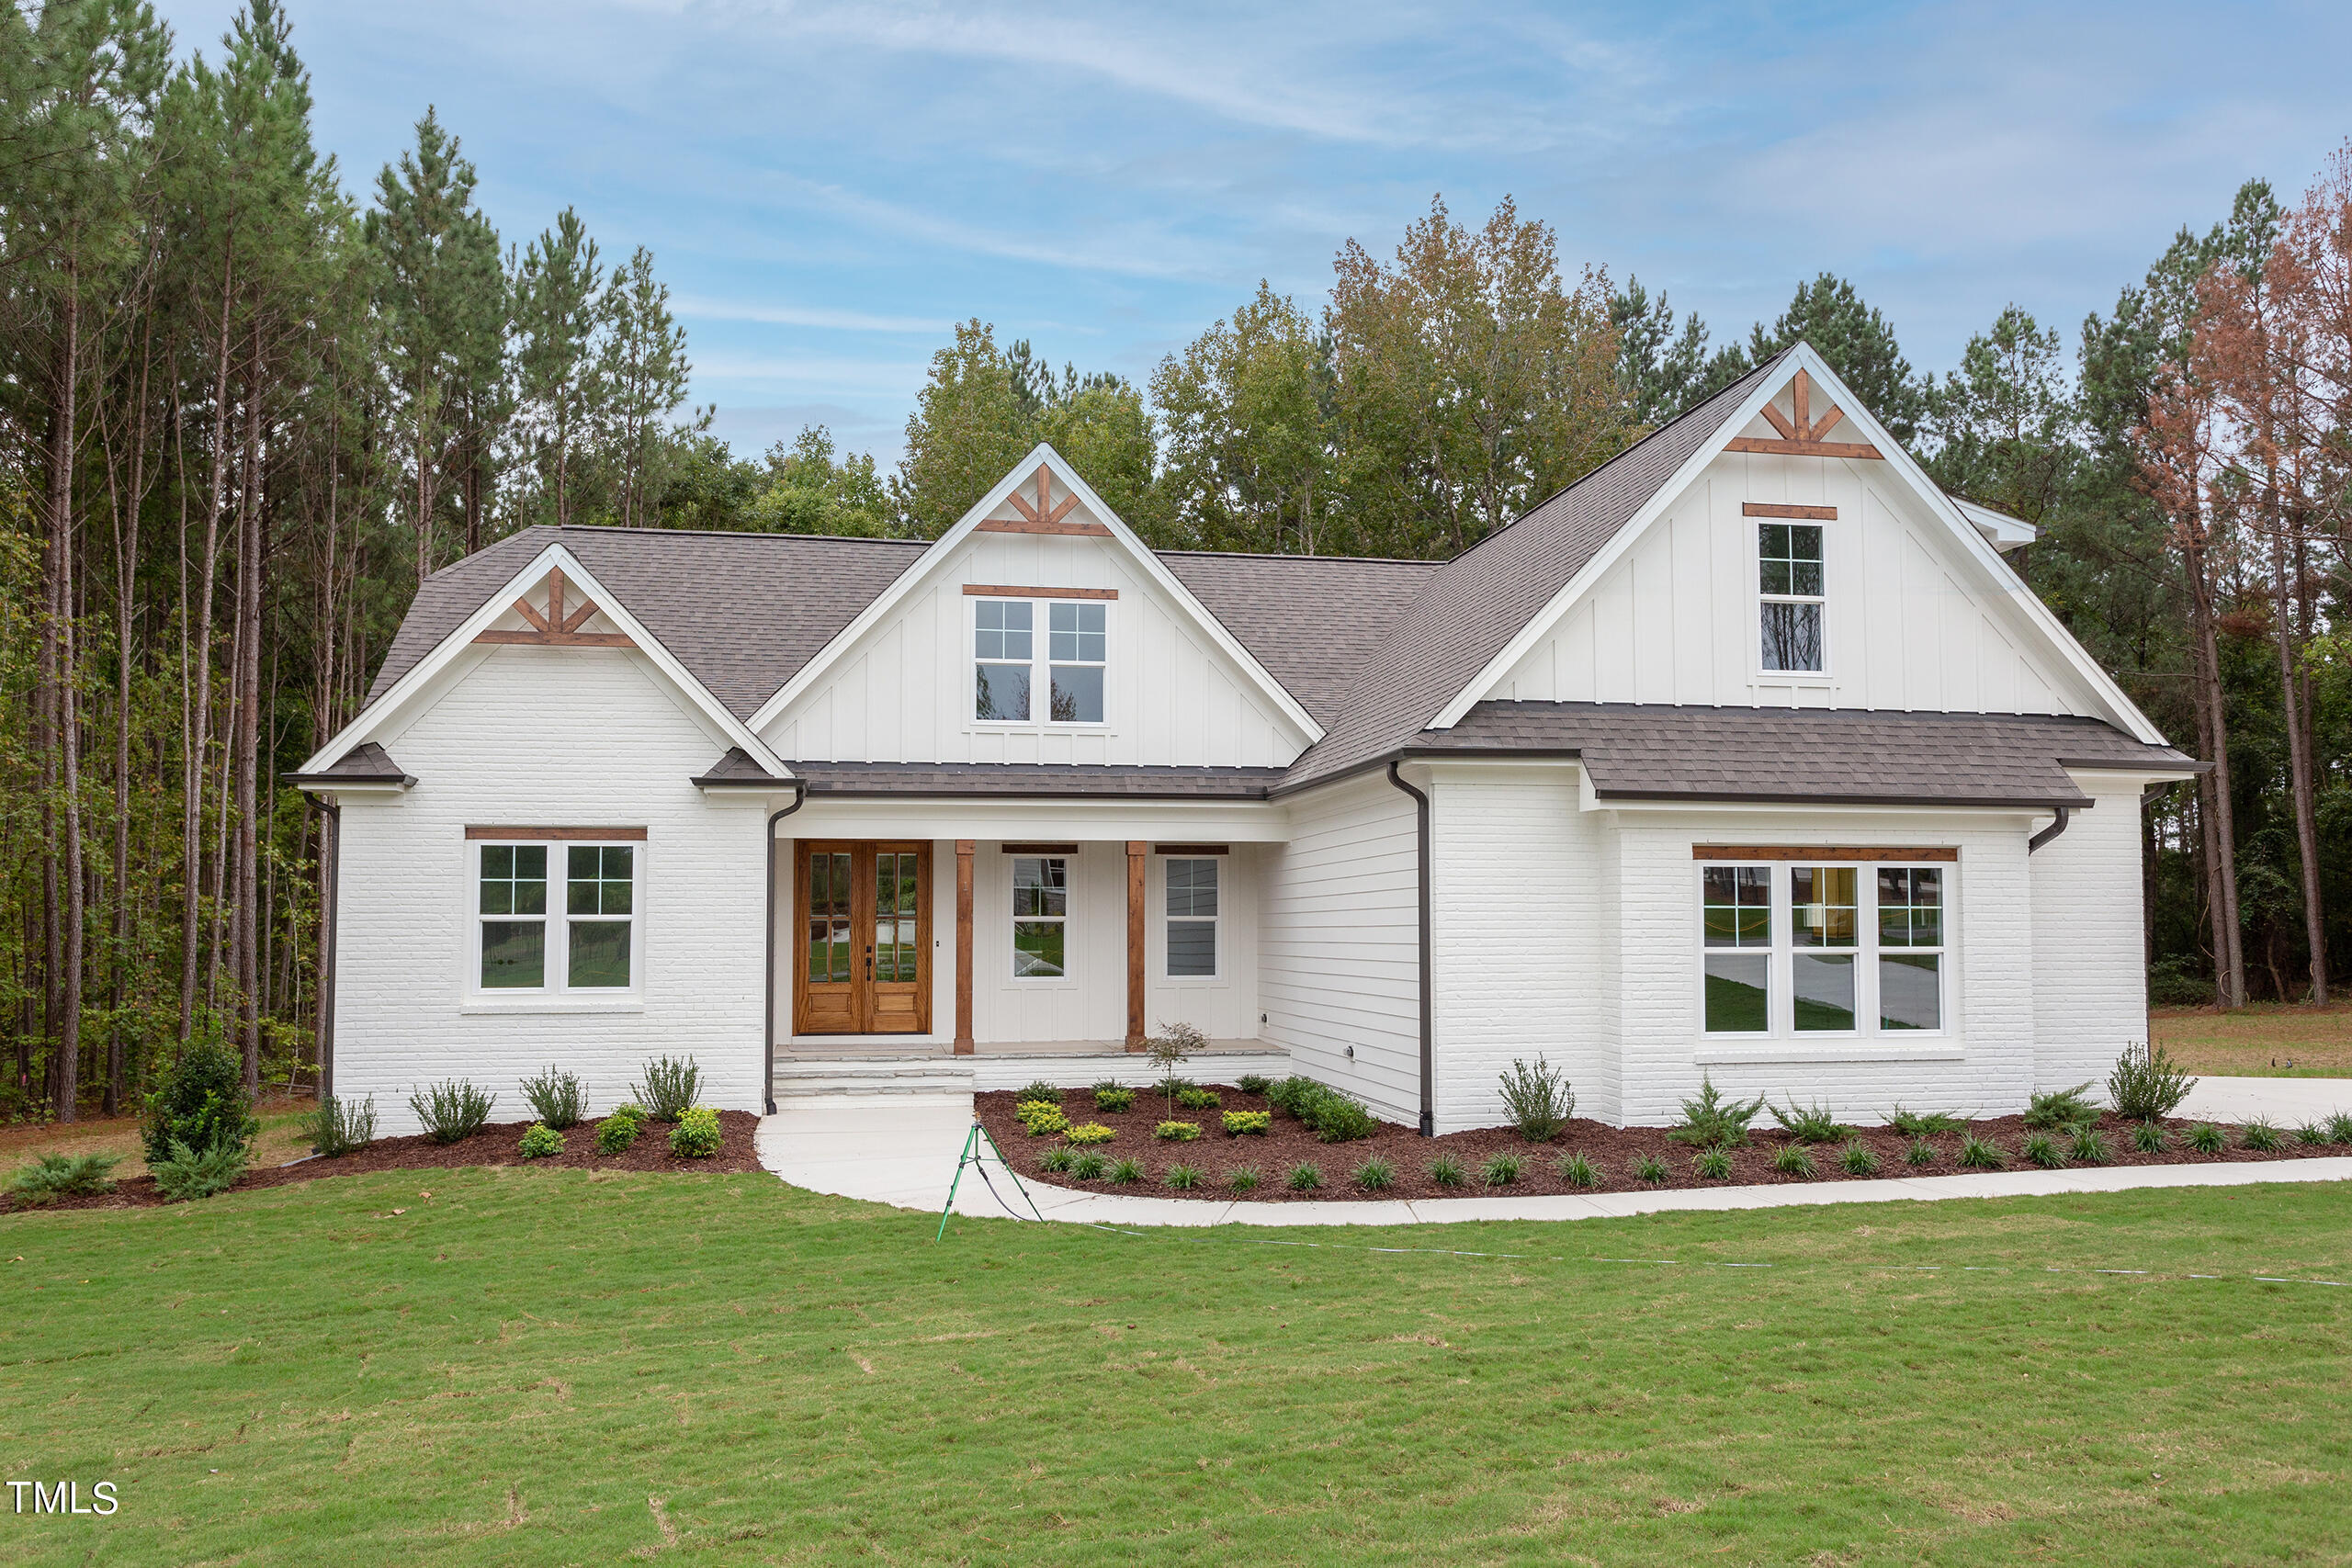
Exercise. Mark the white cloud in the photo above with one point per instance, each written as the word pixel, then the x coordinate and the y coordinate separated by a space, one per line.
pixel 696 308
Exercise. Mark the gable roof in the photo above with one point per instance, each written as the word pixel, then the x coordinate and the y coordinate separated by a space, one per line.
pixel 1311 620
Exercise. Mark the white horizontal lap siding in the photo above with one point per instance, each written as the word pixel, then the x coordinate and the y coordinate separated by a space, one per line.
pixel 1988 997
pixel 904 694
pixel 1339 945
pixel 545 737
pixel 1522 935
pixel 2090 983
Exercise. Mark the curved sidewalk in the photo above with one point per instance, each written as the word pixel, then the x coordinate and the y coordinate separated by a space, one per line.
pixel 903 1149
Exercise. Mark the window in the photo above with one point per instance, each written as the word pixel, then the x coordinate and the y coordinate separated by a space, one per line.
pixel 1788 570
pixel 1737 920
pixel 1076 656
pixel 1823 938
pixel 1012 662
pixel 602 906
pixel 1002 658
pixel 830 953
pixel 514 917
pixel 1191 917
pixel 588 944
pixel 1845 942
pixel 1040 917
pixel 1910 921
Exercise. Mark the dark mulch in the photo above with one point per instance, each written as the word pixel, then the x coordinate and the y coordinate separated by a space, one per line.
pixel 494 1144
pixel 1617 1151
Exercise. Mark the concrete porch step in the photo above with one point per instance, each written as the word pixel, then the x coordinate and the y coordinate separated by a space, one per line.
pixel 907 1076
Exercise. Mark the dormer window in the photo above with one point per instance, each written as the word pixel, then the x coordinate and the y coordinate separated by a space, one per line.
pixel 1013 665
pixel 1791 596
pixel 1001 636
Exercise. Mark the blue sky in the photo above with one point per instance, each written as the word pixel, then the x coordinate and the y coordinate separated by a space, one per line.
pixel 828 187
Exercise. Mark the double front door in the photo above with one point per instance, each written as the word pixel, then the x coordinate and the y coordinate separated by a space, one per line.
pixel 864 942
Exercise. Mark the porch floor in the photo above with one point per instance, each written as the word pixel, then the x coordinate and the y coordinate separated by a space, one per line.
pixel 873 1068
pixel 886 1048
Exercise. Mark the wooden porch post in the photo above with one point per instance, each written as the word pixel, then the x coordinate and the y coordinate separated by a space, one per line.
pixel 964 947
pixel 1137 850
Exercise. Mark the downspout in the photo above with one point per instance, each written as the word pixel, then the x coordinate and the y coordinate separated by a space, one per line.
pixel 1429 1071
pixel 2055 827
pixel 767 1019
pixel 331 917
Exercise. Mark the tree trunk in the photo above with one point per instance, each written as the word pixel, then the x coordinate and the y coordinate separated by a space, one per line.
pixel 2229 951
pixel 68 952
pixel 200 706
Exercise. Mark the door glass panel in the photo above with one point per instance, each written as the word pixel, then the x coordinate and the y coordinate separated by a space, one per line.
pixel 828 929
pixel 895 892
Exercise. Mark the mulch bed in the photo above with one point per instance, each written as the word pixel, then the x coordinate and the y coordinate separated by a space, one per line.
pixel 494 1144
pixel 1617 1151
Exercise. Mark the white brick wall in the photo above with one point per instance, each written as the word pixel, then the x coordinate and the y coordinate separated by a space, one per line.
pixel 2090 980
pixel 547 737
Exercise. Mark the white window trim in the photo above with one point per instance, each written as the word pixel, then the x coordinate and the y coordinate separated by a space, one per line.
pixel 1868 1040
pixel 557 995
pixel 1068 976
pixel 1758 599
pixel 1216 975
pixel 1041 660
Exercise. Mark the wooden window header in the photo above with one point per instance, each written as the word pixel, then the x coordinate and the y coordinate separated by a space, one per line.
pixel 1001 591
pixel 1823 853
pixel 1191 849
pixel 557 835
pixel 1040 849
pixel 1774 509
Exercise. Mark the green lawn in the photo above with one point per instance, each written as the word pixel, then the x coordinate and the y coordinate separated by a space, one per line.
pixel 533 1367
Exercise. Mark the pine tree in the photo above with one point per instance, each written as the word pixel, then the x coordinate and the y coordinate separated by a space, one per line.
pixel 644 374
pixel 558 307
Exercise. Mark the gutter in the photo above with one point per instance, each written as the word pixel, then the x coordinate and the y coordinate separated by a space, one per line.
pixel 331 917
pixel 767 938
pixel 1429 1070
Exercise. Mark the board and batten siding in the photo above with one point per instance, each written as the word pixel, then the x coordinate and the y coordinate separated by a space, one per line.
pixel 903 693
pixel 1339 956
pixel 2090 991
pixel 547 737
pixel 1912 623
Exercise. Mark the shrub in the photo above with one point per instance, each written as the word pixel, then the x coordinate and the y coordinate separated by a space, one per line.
pixel 1057 1158
pixel 669 1088
pixel 1182 1177
pixel 2310 1132
pixel 1039 1119
pixel 1248 1123
pixel 1578 1171
pixel 2042 1149
pixel 1304 1177
pixel 2056 1108
pixel 2087 1145
pixel 1981 1154
pixel 185 1174
pixel 1254 1083
pixel 556 1099
pixel 1537 1101
pixel 1811 1124
pixel 451 1112
pixel 1244 1179
pixel 2146 1084
pixel 1087 1133
pixel 632 1109
pixel 696 1133
pixel 200 1103
pixel 2174 983
pixel 52 1177
pixel 616 1132
pixel 338 1126
pixel 2261 1135
pixel 1375 1175
pixel 1920 1124
pixel 1089 1167
pixel 2149 1138
pixel 1126 1172
pixel 1112 1097
pixel 540 1142
pixel 1501 1169
pixel 2207 1139
pixel 1857 1159
pixel 1291 1093
pixel 1338 1120
pixel 1713 1163
pixel 1191 1099
pixel 1792 1160
pixel 1711 1121
pixel 1038 1092
pixel 1651 1169
pixel 1921 1152
pixel 1176 1132
pixel 1446 1171
pixel 2339 1127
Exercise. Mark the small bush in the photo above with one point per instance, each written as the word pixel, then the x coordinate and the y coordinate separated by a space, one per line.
pixel 1176 1132
pixel 616 1132
pixel 540 1142
pixel 1181 1177
pixel 1711 1121
pixel 1811 1124
pixel 1857 1159
pixel 1920 1123
pixel 1304 1177
pixel 451 1112
pixel 1920 1152
pixel 2207 1139
pixel 1446 1171
pixel 200 1103
pixel 1792 1160
pixel 1087 1134
pixel 52 1177
pixel 337 1126
pixel 2339 1127
pixel 1038 1092
pixel 2146 1084
pixel 1089 1167
pixel 1981 1154
pixel 2261 1135
pixel 1537 1101
pixel 1291 1093
pixel 1190 1099
pixel 556 1099
pixel 1651 1169
pixel 1114 1097
pixel 185 1174
pixel 669 1088
pixel 2042 1149
pixel 1126 1172
pixel 1057 1158
pixel 2087 1145
pixel 632 1109
pixel 1248 1123
pixel 1335 1118
pixel 1375 1175
pixel 2310 1132
pixel 2149 1138
pixel 1244 1178
pixel 1578 1171
pixel 1254 1083
pixel 1712 1162
pixel 2056 1108
pixel 1501 1169
pixel 695 1135
pixel 1039 1119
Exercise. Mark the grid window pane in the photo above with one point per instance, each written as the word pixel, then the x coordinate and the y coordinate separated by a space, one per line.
pixel 1078 634
pixel 601 879
pixel 1738 998
pixel 894 916
pixel 1737 908
pixel 599 953
pixel 829 933
pixel 1191 948
pixel 1001 628
pixel 1910 990
pixel 1078 694
pixel 514 954
pixel 1823 984
pixel 1001 691
pixel 515 879
pixel 1040 885
pixel 1192 888
pixel 1037 950
pixel 1792 636
pixel 1910 907
pixel 1822 910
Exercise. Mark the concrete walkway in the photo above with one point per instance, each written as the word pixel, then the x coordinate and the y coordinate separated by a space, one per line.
pixel 2290 1102
pixel 901 1149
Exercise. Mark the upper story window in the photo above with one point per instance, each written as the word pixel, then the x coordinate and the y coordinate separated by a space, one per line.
pixel 1077 657
pixel 1011 665
pixel 1003 658
pixel 587 941
pixel 1790 586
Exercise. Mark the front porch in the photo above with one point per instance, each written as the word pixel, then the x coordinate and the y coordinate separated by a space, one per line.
pixel 923 1068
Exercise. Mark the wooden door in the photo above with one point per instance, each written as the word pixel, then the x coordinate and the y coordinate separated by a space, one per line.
pixel 863 964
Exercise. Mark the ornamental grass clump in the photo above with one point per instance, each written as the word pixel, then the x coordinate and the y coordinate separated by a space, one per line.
pixel 1114 1097
pixel 1712 1162
pixel 695 1135
pixel 451 1113
pixel 1857 1159
pixel 2057 1109
pixel 1089 1167
pixel 1176 1132
pixel 2262 1136
pixel 1057 1160
pixel 556 1099
pixel 1792 1160
pixel 1921 1123
pixel 1650 1168
pixel 2149 1138
pixel 1501 1169
pixel 1243 1178
pixel 1711 1121
pixel 669 1088
pixel 1087 1133
pixel 1039 1119
pixel 1248 1123
pixel 1446 1171
pixel 1375 1175
pixel 1577 1170
pixel 1537 1101
pixel 2042 1149
pixel 2207 1139
pixel 54 1175
pixel 1981 1154
pixel 539 1141
pixel 338 1126
pixel 2087 1146
pixel 2339 1127
pixel 1919 1151
pixel 2310 1132
pixel 1811 1124
pixel 2147 1085
pixel 1180 1178
pixel 1126 1172
pixel 1304 1177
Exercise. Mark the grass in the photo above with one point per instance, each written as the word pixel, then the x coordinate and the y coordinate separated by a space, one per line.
pixel 2261 1040
pixel 283 1136
pixel 537 1366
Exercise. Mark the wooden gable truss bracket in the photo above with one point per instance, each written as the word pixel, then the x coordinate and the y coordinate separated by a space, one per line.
pixel 557 629
pixel 1042 517
pixel 1801 437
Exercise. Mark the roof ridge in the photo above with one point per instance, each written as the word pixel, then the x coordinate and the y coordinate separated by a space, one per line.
pixel 1286 555
pixel 718 534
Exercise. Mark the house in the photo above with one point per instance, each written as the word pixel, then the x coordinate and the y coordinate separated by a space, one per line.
pixel 1745 755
